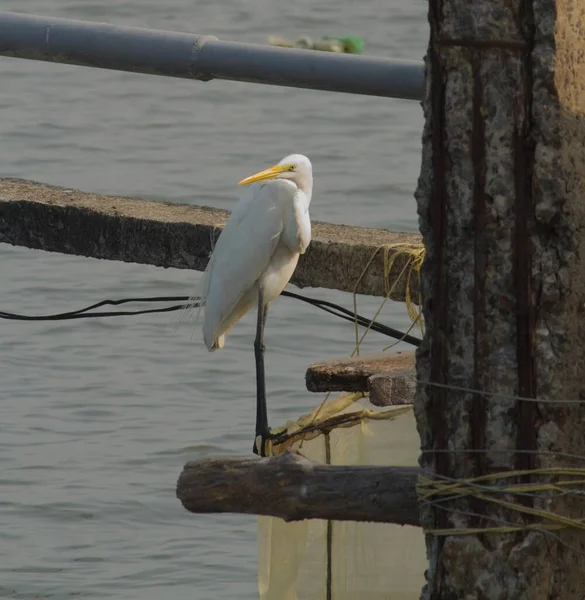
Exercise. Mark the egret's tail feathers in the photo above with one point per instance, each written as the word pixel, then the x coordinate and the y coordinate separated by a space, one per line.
pixel 214 344
pixel 217 344
pixel 191 310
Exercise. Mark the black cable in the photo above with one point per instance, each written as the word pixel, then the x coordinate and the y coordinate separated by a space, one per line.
pixel 80 314
pixel 83 315
pixel 329 307
pixel 352 317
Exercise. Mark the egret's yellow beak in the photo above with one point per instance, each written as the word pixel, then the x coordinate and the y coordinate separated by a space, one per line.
pixel 270 173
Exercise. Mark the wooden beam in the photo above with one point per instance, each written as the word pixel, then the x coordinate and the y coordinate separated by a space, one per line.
pixel 163 234
pixel 352 374
pixel 293 488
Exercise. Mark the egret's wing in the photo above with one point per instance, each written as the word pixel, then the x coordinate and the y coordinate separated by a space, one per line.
pixel 238 214
pixel 243 250
pixel 197 299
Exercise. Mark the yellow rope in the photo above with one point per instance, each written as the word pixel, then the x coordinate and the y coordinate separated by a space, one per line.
pixel 415 255
pixel 501 529
pixel 430 488
pixel 358 341
pixel 311 426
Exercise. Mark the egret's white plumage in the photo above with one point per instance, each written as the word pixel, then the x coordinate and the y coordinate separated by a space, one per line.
pixel 259 247
pixel 254 258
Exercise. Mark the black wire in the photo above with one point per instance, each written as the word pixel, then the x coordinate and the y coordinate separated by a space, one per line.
pixel 329 307
pixel 80 314
pixel 83 315
pixel 352 317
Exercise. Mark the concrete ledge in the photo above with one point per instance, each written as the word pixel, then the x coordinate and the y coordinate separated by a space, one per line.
pixel 355 375
pixel 163 234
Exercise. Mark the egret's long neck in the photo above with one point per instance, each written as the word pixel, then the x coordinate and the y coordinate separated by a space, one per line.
pixel 305 184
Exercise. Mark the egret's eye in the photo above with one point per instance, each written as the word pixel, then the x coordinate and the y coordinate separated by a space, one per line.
pixel 292 168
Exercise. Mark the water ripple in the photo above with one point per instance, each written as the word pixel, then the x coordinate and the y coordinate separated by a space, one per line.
pixel 98 418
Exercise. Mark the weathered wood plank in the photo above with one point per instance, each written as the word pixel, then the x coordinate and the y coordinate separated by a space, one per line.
pixel 352 374
pixel 164 234
pixel 293 488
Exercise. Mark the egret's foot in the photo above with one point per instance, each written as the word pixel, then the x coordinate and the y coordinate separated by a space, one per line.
pixel 262 443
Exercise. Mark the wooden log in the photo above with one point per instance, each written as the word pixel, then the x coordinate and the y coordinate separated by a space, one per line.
pixel 352 374
pixel 55 219
pixel 293 488
pixel 500 203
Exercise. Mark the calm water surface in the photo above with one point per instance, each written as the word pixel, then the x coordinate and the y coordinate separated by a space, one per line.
pixel 97 418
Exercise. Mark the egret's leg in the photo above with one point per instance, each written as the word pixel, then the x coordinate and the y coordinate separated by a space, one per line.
pixel 262 431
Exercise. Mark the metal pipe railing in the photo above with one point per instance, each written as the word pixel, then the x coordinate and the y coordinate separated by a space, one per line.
pixel 204 57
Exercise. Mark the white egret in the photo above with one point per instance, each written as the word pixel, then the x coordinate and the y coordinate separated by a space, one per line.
pixel 254 259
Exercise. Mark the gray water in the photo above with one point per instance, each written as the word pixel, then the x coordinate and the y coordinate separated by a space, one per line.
pixel 97 418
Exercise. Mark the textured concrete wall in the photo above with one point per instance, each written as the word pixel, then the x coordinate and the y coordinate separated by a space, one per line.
pixel 501 207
